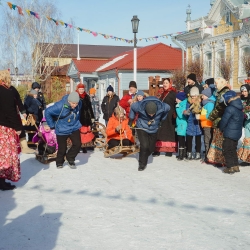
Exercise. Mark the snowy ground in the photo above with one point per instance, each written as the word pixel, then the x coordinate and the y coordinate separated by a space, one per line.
pixel 108 204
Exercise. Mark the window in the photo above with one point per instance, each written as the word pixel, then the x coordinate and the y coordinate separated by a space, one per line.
pixel 228 18
pixel 219 57
pixel 245 52
pixel 196 57
pixel 56 63
pixel 208 64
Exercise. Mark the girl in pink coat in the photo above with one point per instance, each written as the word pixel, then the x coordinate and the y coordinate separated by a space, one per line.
pixel 46 138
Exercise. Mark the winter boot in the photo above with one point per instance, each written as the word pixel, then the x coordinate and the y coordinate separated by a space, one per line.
pixel 169 154
pixel 84 150
pixel 229 170
pixel 181 154
pixel 5 186
pixel 189 155
pixel 236 169
pixel 25 148
pixel 197 156
pixel 156 154
pixel 141 167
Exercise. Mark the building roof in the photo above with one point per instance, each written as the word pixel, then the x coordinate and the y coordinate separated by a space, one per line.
pixel 154 57
pixel 85 51
pixel 88 65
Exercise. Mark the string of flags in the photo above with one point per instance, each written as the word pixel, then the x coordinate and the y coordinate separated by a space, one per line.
pixel 67 25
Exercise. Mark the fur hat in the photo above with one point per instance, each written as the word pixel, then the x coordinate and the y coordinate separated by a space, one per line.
pixel 228 95
pixel 132 84
pixel 74 97
pixel 192 76
pixel 209 81
pixel 80 86
pixel 151 107
pixel 5 77
pixel 110 88
pixel 207 92
pixel 181 96
pixel 140 92
pixel 92 91
pixel 33 92
pixel 194 91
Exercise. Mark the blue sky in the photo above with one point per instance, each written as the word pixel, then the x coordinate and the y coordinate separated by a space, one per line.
pixel 112 17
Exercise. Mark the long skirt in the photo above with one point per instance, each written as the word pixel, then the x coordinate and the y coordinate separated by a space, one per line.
pixel 215 154
pixel 166 146
pixel 86 136
pixel 244 151
pixel 9 159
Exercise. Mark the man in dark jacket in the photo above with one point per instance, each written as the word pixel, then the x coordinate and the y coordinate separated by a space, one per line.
pixel 231 126
pixel 151 111
pixel 191 81
pixel 109 103
pixel 36 86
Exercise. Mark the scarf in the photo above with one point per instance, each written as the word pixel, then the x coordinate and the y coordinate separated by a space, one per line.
pixel 82 95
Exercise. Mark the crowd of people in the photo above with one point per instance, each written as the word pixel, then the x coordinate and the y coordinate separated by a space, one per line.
pixel 171 122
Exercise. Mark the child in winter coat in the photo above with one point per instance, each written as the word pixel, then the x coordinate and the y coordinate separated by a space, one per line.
pixel 46 138
pixel 181 123
pixel 231 127
pixel 208 101
pixel 193 110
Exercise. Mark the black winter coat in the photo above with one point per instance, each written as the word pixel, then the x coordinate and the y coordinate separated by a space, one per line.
pixel 167 130
pixel 188 88
pixel 108 106
pixel 40 96
pixel 86 111
pixel 232 120
pixel 9 116
pixel 33 106
pixel 19 102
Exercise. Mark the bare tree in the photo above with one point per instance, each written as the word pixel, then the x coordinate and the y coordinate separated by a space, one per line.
pixel 225 67
pixel 179 79
pixel 197 67
pixel 28 40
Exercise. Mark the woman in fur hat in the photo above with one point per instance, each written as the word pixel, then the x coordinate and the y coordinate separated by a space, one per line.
pixel 244 150
pixel 166 136
pixel 215 155
pixel 10 129
pixel 87 118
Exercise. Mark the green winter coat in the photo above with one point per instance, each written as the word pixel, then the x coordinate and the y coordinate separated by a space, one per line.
pixel 181 119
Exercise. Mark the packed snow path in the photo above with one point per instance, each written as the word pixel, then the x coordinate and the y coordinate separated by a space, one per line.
pixel 108 204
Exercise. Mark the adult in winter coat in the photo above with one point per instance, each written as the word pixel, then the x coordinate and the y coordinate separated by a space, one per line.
pixel 215 155
pixel 231 127
pixel 166 136
pixel 181 123
pixel 244 150
pixel 64 117
pixel 109 103
pixel 151 112
pixel 10 129
pixel 127 99
pixel 95 103
pixel 87 118
pixel 191 81
pixel 118 129
pixel 36 86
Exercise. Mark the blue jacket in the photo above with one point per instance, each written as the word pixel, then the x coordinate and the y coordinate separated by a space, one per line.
pixel 32 104
pixel 181 119
pixel 193 125
pixel 232 120
pixel 63 118
pixel 144 118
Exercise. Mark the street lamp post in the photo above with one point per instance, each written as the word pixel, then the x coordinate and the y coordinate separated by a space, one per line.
pixel 135 24
pixel 16 71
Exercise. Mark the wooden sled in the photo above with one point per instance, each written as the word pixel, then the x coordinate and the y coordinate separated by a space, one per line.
pixel 45 159
pixel 123 150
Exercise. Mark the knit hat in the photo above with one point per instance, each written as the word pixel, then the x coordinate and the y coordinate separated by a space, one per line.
pixel 45 124
pixel 207 92
pixel 151 107
pixel 192 76
pixel 132 84
pixel 74 97
pixel 35 85
pixel 245 87
pixel 228 95
pixel 92 91
pixel 33 92
pixel 181 96
pixel 209 81
pixel 194 91
pixel 110 88
pixel 140 92
pixel 80 86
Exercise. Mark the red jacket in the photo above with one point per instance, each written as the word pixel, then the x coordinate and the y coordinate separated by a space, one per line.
pixel 124 102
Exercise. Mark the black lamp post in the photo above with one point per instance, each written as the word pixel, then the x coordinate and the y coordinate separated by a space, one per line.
pixel 135 24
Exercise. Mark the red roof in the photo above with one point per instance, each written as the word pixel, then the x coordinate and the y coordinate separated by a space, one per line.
pixel 88 65
pixel 154 57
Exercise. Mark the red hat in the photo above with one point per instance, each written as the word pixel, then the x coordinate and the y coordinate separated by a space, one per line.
pixel 80 86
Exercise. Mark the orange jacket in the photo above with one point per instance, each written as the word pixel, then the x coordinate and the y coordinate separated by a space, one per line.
pixel 205 123
pixel 111 132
